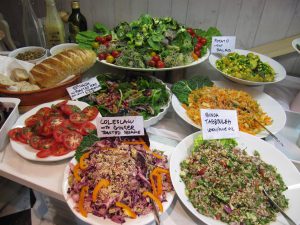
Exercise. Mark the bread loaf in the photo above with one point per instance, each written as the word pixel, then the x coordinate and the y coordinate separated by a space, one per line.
pixel 53 70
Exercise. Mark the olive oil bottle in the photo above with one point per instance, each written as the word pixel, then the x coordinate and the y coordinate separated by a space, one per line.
pixel 77 21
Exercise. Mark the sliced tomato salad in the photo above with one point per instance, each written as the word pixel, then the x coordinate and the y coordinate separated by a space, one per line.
pixel 56 130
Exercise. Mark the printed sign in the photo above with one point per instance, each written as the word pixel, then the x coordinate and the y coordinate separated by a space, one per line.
pixel 223 44
pixel 84 88
pixel 219 124
pixel 120 126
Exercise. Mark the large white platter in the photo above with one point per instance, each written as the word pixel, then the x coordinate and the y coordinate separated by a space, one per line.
pixel 26 151
pixel 280 72
pixel 202 59
pixel 294 43
pixel 267 103
pixel 268 153
pixel 95 220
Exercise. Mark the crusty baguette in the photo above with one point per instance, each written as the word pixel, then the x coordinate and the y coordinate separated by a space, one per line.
pixel 53 70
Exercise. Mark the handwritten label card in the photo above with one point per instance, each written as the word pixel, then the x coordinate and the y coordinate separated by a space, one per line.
pixel 219 124
pixel 223 44
pixel 84 88
pixel 120 126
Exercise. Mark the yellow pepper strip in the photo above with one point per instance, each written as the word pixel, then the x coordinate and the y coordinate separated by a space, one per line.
pixel 103 183
pixel 83 212
pixel 82 163
pixel 146 147
pixel 157 155
pixel 133 142
pixel 159 185
pixel 141 142
pixel 155 199
pixel 75 172
pixel 126 209
pixel 153 183
pixel 161 170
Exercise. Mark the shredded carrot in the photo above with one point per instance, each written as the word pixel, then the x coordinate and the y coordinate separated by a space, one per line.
pixel 155 199
pixel 126 209
pixel 101 184
pixel 83 212
pixel 82 163
pixel 75 172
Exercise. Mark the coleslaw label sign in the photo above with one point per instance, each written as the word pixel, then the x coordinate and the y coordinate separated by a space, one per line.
pixel 120 126
pixel 219 124
pixel 223 44
pixel 84 88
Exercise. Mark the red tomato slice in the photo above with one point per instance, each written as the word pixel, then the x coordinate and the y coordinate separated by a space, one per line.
pixel 69 109
pixel 33 120
pixel 78 118
pixel 55 121
pixel 72 140
pixel 44 153
pixel 70 126
pixel 91 112
pixel 87 128
pixel 45 111
pixel 60 104
pixel 47 144
pixel 35 141
pixel 60 150
pixel 47 130
pixel 26 133
pixel 38 127
pixel 58 133
pixel 20 138
pixel 14 133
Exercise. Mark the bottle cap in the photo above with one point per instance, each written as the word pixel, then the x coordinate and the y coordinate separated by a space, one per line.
pixel 75 5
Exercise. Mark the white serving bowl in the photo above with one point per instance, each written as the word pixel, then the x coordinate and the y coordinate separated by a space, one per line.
pixel 17 51
pixel 59 48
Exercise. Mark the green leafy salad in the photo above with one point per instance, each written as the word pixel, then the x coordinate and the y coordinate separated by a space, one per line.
pixel 225 183
pixel 148 42
pixel 131 95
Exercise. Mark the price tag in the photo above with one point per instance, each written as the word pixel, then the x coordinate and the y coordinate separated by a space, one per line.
pixel 120 126
pixel 219 124
pixel 84 88
pixel 223 44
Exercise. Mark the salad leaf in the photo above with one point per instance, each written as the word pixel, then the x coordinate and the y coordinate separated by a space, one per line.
pixel 101 29
pixel 212 31
pixel 86 142
pixel 184 41
pixel 183 88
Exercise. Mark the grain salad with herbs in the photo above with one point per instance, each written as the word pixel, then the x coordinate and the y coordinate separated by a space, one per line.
pixel 225 183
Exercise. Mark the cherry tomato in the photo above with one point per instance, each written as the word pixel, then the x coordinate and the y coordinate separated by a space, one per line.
pixel 69 109
pixel 160 64
pixel 33 120
pixel 156 58
pixel 199 39
pixel 106 44
pixel 115 54
pixel 196 48
pixel 45 111
pixel 100 39
pixel 47 144
pixel 55 121
pixel 58 133
pixel 35 141
pixel 110 59
pixel 87 128
pixel 190 31
pixel 78 118
pixel 108 37
pixel 26 133
pixel 43 153
pixel 14 133
pixel 59 150
pixel 101 56
pixel 72 140
pixel 91 112
pixel 198 53
pixel 199 45
pixel 95 45
pixel 203 41
pixel 151 63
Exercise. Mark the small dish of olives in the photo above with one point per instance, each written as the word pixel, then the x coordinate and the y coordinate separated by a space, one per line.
pixel 32 54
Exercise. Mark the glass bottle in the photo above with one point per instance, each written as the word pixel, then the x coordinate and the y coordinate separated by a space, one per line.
pixel 54 27
pixel 77 21
pixel 32 27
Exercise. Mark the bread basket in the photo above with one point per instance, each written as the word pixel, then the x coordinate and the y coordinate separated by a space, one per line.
pixel 30 98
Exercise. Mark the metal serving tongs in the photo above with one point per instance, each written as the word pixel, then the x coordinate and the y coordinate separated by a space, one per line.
pixel 290 221
pixel 270 133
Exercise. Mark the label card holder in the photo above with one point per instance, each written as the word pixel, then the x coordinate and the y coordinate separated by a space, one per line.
pixel 84 88
pixel 219 124
pixel 120 126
